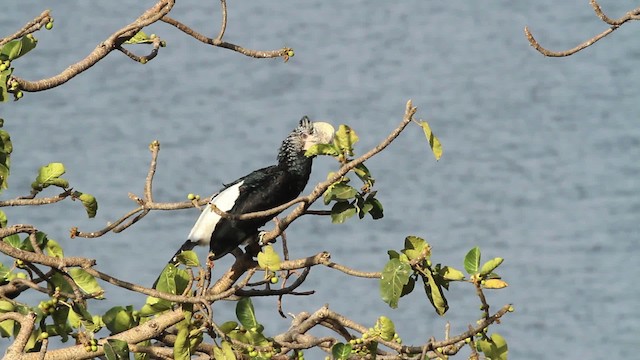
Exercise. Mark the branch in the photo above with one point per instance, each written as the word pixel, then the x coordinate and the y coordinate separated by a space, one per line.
pixel 325 317
pixel 14 351
pixel 153 14
pixel 149 330
pixel 323 186
pixel 219 43
pixel 145 204
pixel 32 26
pixel 615 24
pixel 30 201
pixel 42 259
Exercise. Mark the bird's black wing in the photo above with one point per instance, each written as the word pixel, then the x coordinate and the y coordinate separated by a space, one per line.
pixel 261 190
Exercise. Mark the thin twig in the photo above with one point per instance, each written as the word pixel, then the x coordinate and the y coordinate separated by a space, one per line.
pixel 30 201
pixel 153 14
pixel 615 24
pixel 223 25
pixel 29 28
pixel 215 42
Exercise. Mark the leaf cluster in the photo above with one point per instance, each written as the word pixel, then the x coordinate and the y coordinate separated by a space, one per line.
pixel 347 200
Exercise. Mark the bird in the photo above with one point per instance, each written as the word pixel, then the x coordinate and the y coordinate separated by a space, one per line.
pixel 263 189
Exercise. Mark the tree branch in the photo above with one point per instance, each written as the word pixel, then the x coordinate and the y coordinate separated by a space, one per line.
pixel 615 24
pixel 161 8
pixel 32 26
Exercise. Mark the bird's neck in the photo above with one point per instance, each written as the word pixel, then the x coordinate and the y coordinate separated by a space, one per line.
pixel 295 163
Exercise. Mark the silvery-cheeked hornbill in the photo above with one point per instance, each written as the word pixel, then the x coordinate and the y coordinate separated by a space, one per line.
pixel 262 189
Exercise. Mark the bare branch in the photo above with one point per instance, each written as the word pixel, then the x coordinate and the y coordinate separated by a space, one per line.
pixel 615 24
pixel 32 26
pixel 219 43
pixel 223 25
pixel 27 325
pixel 161 8
pixel 42 259
pixel 30 201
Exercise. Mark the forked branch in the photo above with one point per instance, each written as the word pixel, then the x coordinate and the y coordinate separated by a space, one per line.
pixel 615 24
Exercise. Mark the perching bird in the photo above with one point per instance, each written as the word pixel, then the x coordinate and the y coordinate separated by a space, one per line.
pixel 262 189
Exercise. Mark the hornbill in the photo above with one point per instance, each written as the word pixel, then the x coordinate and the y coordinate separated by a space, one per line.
pixel 262 189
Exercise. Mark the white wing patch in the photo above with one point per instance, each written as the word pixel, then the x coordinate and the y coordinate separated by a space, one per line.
pixel 204 227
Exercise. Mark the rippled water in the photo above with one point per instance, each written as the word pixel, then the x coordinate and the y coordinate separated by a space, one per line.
pixel 540 163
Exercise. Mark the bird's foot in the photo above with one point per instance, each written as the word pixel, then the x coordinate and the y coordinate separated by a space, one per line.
pixel 261 240
pixel 210 263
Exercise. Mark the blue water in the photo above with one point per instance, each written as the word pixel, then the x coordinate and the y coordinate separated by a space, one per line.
pixel 540 164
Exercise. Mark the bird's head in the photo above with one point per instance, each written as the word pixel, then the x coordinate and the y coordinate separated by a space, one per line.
pixel 304 136
pixel 313 133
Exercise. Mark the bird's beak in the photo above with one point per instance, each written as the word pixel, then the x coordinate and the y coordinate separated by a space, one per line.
pixel 323 133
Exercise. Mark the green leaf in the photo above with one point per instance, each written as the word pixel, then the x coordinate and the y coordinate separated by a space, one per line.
pixel 408 288
pixel 89 202
pixel 451 274
pixel 118 319
pixel 386 328
pixel 86 282
pixel 416 247
pixel 167 280
pixel 434 143
pixel 6 148
pixel 155 306
pixel 322 149
pixel 182 281
pixel 395 276
pixel 13 240
pixel 363 207
pixel 228 326
pixel 5 273
pixel 4 77
pixel 224 353
pixel 341 211
pixel 489 266
pixel 49 172
pixel 3 219
pixel 57 280
pixel 494 284
pixel 472 261
pixel 139 38
pixel 188 258
pixel 81 314
pixel 246 314
pixel 339 191
pixel 50 175
pixel 53 249
pixel 434 292
pixel 115 349
pixel 41 241
pixel 59 182
pixel 364 174
pixel 6 327
pixel 344 139
pixel 269 259
pixel 16 48
pixel 341 351
pixel 60 323
pixel 181 348
pixel 227 351
pixel 494 349
pixel 376 211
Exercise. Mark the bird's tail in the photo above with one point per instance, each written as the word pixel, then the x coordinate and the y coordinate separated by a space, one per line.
pixel 188 245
